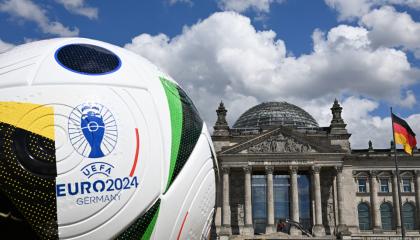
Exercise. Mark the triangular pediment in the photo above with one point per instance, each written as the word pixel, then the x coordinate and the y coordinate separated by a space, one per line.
pixel 279 140
pixel 279 144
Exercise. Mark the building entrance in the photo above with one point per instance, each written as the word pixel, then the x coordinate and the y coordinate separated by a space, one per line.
pixel 282 205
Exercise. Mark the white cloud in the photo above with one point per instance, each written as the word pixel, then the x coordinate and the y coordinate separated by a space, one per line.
pixel 29 11
pixel 344 62
pixel 387 27
pixel 201 58
pixel 79 7
pixel 361 122
pixel 4 46
pixel 357 115
pixel 353 9
pixel 225 57
pixel 243 5
pixel 392 29
pixel 350 9
pixel 410 3
pixel 365 126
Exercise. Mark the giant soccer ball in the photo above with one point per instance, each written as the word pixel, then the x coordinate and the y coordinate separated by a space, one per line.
pixel 98 143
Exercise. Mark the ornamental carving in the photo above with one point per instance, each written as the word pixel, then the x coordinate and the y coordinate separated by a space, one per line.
pixel 339 169
pixel 247 169
pixel 293 169
pixel 269 169
pixel 316 169
pixel 225 170
pixel 280 144
pixel 374 174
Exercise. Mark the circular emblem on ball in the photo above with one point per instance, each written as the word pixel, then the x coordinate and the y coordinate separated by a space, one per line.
pixel 92 130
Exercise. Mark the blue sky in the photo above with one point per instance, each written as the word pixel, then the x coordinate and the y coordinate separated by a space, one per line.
pixel 119 23
pixel 364 52
pixel 293 21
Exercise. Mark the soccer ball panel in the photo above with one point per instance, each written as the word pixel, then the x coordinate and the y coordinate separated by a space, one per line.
pixel 180 196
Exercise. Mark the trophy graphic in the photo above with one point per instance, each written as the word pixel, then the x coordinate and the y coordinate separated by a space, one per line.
pixel 92 130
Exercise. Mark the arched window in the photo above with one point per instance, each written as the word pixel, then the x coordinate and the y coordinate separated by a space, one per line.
pixel 364 216
pixel 409 216
pixel 386 216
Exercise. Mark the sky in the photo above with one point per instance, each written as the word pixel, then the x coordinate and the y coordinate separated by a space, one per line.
pixel 365 53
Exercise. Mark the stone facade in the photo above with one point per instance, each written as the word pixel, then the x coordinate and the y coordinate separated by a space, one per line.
pixel 343 183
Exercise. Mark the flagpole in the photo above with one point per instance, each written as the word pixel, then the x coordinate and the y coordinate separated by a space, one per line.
pixel 399 182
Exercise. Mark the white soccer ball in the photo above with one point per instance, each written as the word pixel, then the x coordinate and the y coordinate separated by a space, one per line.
pixel 98 143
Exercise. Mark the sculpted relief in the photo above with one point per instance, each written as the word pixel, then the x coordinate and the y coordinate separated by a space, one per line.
pixel 280 144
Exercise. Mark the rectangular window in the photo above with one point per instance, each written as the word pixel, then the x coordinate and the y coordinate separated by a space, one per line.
pixel 281 200
pixel 304 201
pixel 362 185
pixel 259 202
pixel 406 185
pixel 384 185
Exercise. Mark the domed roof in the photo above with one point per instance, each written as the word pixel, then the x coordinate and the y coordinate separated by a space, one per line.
pixel 275 114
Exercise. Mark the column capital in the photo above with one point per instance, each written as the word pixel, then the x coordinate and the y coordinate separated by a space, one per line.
pixel 394 173
pixel 417 173
pixel 339 169
pixel 226 170
pixel 293 169
pixel 373 173
pixel 247 169
pixel 316 169
pixel 269 169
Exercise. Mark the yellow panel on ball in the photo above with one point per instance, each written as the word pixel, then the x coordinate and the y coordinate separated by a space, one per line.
pixel 36 118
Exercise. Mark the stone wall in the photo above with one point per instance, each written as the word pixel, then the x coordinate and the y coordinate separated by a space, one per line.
pixel 350 206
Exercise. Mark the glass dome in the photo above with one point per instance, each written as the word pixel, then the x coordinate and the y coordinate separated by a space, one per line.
pixel 275 114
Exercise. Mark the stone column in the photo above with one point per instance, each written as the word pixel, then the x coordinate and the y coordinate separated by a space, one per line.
pixel 294 200
pixel 318 228
pixel 376 215
pixel 342 228
pixel 270 200
pixel 417 185
pixel 226 228
pixel 396 204
pixel 248 229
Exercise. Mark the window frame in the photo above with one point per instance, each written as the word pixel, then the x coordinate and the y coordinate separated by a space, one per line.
pixel 366 216
pixel 384 186
pixel 359 186
pixel 390 218
pixel 403 185
pixel 409 225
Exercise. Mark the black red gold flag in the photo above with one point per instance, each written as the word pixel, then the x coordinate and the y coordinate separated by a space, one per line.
pixel 403 134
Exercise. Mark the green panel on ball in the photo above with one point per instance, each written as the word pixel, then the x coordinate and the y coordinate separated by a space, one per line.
pixel 175 109
pixel 186 127
pixel 142 228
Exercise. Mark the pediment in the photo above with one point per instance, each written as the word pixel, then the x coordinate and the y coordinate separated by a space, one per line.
pixel 275 141
pixel 280 144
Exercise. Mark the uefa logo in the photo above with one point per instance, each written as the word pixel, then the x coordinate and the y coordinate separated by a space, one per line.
pixel 92 130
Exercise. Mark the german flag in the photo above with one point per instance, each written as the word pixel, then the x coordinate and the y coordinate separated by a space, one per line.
pixel 403 134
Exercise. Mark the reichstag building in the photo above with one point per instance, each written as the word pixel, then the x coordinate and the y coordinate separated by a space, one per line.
pixel 283 176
